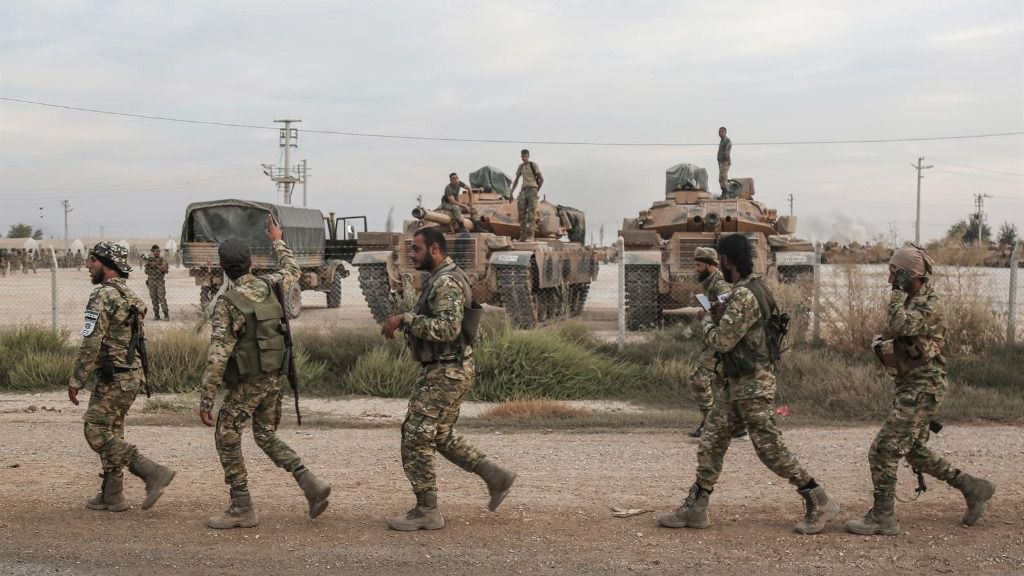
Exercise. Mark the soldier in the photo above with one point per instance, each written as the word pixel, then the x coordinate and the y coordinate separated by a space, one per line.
pixel 78 260
pixel 706 374
pixel 533 180
pixel 917 327
pixel 736 331
pixel 105 356
pixel 247 348
pixel 3 262
pixel 156 269
pixel 435 333
pixel 724 159
pixel 450 201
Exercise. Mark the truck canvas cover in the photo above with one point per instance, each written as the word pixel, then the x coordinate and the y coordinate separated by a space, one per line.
pixel 219 220
pixel 685 177
pixel 491 179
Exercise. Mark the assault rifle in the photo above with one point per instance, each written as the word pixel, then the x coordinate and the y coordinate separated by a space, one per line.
pixel 138 345
pixel 290 369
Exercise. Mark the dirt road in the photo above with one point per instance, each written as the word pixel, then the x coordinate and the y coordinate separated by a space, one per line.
pixel 556 521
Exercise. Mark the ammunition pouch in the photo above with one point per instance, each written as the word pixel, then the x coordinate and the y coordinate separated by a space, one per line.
pixel 106 371
pixel 471 323
pixel 899 355
pixel 740 361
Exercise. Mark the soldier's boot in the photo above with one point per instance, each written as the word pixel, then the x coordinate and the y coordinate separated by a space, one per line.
pixel 156 477
pixel 879 520
pixel 240 514
pixel 741 433
pixel 425 516
pixel 316 491
pixel 167 315
pixel 499 481
pixel 156 313
pixel 699 430
pixel 692 514
pixel 111 496
pixel 976 491
pixel 819 510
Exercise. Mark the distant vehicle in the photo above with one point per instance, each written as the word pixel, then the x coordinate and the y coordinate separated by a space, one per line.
pixel 320 247
pixel 660 242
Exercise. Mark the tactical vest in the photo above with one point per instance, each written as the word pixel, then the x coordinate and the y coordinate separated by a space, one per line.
pixel 428 351
pixel 744 358
pixel 260 350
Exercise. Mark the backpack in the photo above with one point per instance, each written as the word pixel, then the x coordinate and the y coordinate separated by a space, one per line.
pixel 776 323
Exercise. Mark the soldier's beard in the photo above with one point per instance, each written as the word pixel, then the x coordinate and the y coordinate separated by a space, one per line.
pixel 427 264
pixel 728 275
pixel 97 276
pixel 703 275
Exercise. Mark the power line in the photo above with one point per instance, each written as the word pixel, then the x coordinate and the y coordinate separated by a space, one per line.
pixel 981 169
pixel 509 141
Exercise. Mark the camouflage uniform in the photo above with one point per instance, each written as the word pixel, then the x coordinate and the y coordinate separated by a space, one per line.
pixel 919 393
pixel 156 269
pixel 440 385
pixel 448 205
pixel 724 161
pixel 254 398
pixel 707 372
pixel 748 401
pixel 527 203
pixel 105 337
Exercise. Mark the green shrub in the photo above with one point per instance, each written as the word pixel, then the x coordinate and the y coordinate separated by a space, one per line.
pixel 40 371
pixel 34 358
pixel 382 371
pixel 177 359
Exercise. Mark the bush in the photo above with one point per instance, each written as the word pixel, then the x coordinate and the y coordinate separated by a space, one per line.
pixel 40 371
pixel 34 358
pixel 176 360
pixel 383 372
pixel 534 409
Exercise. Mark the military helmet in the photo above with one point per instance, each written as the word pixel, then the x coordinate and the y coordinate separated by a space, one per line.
pixel 112 255
pixel 706 255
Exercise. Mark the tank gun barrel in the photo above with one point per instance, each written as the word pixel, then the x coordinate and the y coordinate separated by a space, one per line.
pixel 421 213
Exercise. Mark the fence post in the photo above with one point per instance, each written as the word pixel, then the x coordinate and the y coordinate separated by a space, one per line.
pixel 620 248
pixel 1011 317
pixel 816 326
pixel 53 290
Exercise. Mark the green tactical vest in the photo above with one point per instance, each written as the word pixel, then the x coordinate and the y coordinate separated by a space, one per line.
pixel 427 351
pixel 743 359
pixel 260 350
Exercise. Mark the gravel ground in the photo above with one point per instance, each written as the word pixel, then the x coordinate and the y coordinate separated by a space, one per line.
pixel 556 521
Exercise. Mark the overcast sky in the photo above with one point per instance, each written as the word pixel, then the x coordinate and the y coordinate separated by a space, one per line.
pixel 639 72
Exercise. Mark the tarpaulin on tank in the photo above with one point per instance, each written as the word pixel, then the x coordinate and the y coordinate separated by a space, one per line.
pixel 491 179
pixel 219 220
pixel 575 223
pixel 685 177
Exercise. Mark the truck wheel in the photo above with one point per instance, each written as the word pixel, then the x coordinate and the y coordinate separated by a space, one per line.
pixel 292 300
pixel 334 294
pixel 642 306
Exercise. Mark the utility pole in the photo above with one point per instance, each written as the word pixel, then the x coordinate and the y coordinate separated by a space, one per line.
pixel 67 209
pixel 917 221
pixel 979 216
pixel 304 178
pixel 283 177
pixel 791 206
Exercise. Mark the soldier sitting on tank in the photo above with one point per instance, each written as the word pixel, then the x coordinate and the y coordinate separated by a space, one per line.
pixel 450 202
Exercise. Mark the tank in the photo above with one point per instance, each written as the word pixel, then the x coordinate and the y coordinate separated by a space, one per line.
pixel 660 244
pixel 538 281
pixel 319 246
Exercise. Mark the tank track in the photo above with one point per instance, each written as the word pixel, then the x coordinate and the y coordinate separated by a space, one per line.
pixel 515 284
pixel 373 281
pixel 578 298
pixel 643 306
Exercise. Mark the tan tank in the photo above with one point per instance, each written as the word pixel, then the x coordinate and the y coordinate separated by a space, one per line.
pixel 534 281
pixel 660 244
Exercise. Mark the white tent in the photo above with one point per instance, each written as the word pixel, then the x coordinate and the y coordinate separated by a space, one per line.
pixel 77 246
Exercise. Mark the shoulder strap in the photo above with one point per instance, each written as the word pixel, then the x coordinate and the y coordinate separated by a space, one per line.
pixel 533 170
pixel 765 301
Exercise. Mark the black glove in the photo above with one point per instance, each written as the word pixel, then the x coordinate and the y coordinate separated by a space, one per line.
pixel 902 280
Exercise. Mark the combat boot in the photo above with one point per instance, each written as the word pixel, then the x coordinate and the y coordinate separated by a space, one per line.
pixel 976 491
pixel 499 481
pixel 156 477
pixel 111 497
pixel 818 510
pixel 879 520
pixel 699 430
pixel 156 314
pixel 692 514
pixel 316 490
pixel 425 516
pixel 240 514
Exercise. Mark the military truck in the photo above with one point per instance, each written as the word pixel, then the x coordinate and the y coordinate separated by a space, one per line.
pixel 320 247
pixel 536 281
pixel 660 242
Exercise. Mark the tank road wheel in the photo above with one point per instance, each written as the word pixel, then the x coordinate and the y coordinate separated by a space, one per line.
pixel 578 298
pixel 517 296
pixel 373 281
pixel 206 296
pixel 334 294
pixel 292 300
pixel 642 302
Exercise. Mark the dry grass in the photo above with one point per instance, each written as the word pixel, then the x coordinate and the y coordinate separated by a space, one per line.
pixel 534 409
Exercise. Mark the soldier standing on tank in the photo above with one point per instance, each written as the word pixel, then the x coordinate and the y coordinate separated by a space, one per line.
pixel 916 320
pixel 735 330
pixel 104 356
pixel 706 376
pixel 247 348
pixel 450 201
pixel 434 332
pixel 156 270
pixel 724 159
pixel 533 180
